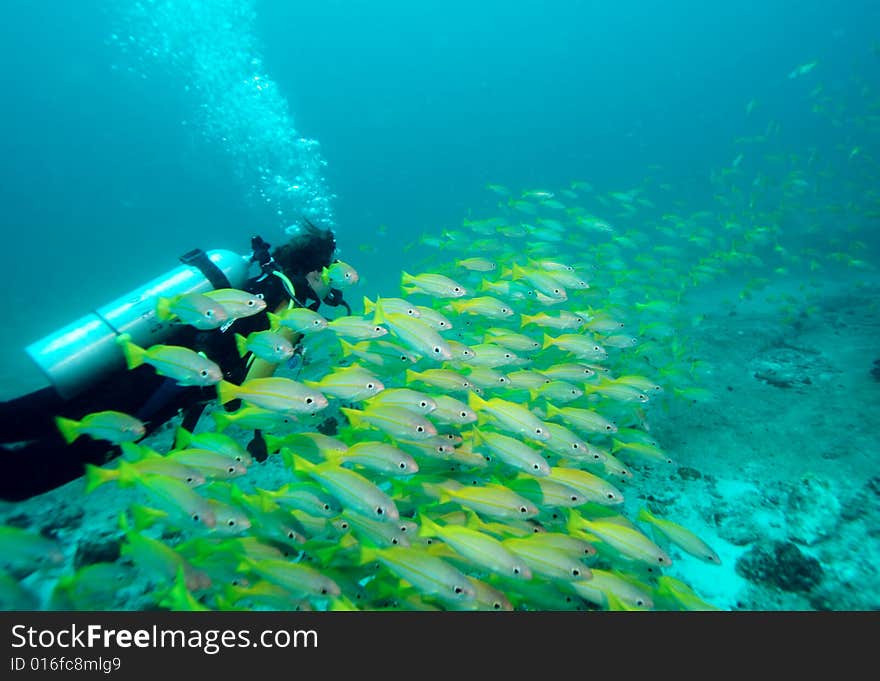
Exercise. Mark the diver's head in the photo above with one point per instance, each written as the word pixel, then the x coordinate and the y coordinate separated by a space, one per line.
pixel 310 249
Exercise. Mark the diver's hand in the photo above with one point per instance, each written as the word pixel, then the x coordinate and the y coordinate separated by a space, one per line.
pixel 317 284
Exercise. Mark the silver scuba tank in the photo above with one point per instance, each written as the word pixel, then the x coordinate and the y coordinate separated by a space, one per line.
pixel 85 351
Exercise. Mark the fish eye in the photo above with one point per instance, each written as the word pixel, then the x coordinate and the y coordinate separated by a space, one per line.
pixel 536 466
pixel 370 386
pixel 463 414
pixel 326 507
pixel 402 465
pixel 309 400
pixel 420 429
pixel 317 322
pixel 251 303
pixel 348 275
pixel 195 516
pixel 209 313
pixel 379 510
pixel 496 605
pixel 190 480
pixel 523 509
pixel 575 445
pixel 456 289
pixel 423 404
pixel 231 522
pixel 556 291
pixel 574 497
pixel 575 572
pixel 203 373
pixel 438 350
pixel 291 534
pixel 394 540
pixel 343 525
pixel 516 570
pixel 610 495
pixel 230 470
pixel 539 431
pixel 458 590
pixel 323 591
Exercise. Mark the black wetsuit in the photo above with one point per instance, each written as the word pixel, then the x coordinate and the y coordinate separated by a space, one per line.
pixel 34 457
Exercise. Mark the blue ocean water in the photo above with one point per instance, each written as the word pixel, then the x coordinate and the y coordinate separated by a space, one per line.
pixel 132 131
pixel 416 108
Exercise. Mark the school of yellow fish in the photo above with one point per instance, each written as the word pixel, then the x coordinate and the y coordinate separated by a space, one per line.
pixel 493 420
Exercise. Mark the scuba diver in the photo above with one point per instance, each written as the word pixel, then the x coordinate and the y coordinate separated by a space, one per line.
pixel 84 362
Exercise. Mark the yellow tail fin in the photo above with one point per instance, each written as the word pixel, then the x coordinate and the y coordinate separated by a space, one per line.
pixel 68 427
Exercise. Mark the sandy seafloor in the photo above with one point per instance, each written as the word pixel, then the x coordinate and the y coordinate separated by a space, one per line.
pixel 779 472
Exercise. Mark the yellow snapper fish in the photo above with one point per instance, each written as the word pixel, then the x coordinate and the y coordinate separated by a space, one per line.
pixel 148 463
pixel 429 574
pixel 356 328
pixel 392 306
pixel 339 275
pixel 476 264
pixel 255 418
pixel 591 487
pixel 484 306
pixel 185 366
pixel 216 442
pixel 160 561
pixel 461 353
pixel 444 379
pixel 300 579
pixel 518 342
pixel 113 426
pixel 682 537
pixel 414 333
pixel 511 416
pixel 378 456
pixel 177 498
pixel 511 451
pixel 434 318
pixel 623 538
pixel 492 355
pixel 451 411
pixel 545 492
pixel 486 378
pixel 416 401
pixel 540 279
pixel 388 356
pixel 394 421
pixel 237 303
pixel 351 489
pixel 269 346
pixel 582 419
pixel 582 347
pixel 563 322
pixel 479 548
pixel 640 452
pixel 351 384
pixel 276 394
pixel 195 309
pixel 209 463
pixel 299 319
pixel 671 591
pixel 557 391
pixel 437 285
pixel 547 561
pixel 491 499
pixel 609 589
